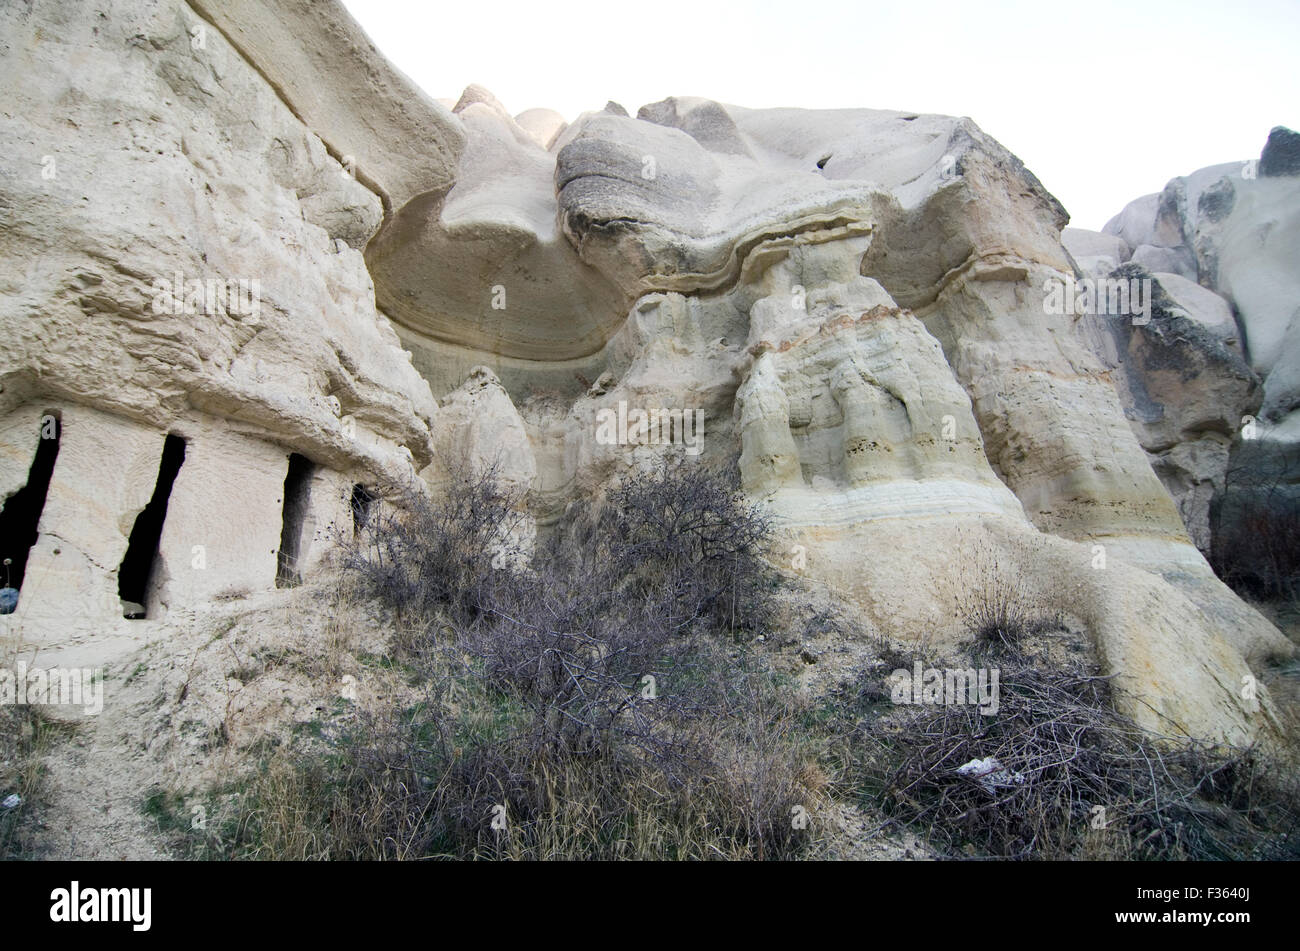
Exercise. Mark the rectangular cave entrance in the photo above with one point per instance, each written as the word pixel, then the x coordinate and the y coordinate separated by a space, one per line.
pixel 21 513
pixel 297 501
pixel 362 503
pixel 137 568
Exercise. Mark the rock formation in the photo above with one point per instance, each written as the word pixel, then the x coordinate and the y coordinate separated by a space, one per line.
pixel 1212 385
pixel 234 230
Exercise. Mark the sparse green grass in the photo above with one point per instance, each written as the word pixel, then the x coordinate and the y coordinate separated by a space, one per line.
pixel 135 672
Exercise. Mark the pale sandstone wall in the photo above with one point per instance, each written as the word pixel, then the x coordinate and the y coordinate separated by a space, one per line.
pixel 140 144
pixel 220 537
pixel 916 420
pixel 102 479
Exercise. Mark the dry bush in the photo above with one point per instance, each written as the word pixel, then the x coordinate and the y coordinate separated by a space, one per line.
pixel 431 556
pixel 998 607
pixel 594 702
pixel 600 703
pixel 1258 550
pixel 574 636
pixel 684 535
pixel 429 781
pixel 1065 752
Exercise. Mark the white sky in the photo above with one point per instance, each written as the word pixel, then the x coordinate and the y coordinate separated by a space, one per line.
pixel 1104 100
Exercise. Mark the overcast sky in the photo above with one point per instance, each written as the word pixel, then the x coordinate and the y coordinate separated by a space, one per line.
pixel 1104 100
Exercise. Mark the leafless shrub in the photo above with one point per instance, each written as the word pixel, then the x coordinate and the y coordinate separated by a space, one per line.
pixel 577 635
pixel 684 533
pixel 1000 610
pixel 583 705
pixel 433 556
pixel 1074 777
pixel 457 775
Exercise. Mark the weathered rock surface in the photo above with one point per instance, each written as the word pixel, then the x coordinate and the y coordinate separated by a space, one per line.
pixel 849 305
pixel 1232 229
pixel 144 155
pixel 1095 253
pixel 1184 384
pixel 479 429
pixel 372 118
pixel 1235 227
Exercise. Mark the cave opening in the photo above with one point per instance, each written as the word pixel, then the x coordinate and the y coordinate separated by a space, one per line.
pixel 363 502
pixel 297 501
pixel 20 515
pixel 137 566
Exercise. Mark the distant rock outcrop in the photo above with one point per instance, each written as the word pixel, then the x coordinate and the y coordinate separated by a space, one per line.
pixel 1225 349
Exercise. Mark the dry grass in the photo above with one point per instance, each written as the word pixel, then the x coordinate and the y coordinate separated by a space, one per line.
pixel 998 607
pixel 456 776
pixel 26 735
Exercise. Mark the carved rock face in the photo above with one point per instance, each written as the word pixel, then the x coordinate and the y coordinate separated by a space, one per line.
pixel 851 303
